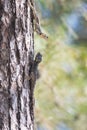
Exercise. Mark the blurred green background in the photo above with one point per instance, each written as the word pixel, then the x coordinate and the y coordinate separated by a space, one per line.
pixel 61 90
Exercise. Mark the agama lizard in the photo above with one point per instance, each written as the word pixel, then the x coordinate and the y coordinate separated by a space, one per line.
pixel 32 80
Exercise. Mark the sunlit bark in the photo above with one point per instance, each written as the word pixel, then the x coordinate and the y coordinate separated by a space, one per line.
pixel 16 46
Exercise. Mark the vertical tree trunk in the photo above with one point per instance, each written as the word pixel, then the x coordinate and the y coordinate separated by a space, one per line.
pixel 16 51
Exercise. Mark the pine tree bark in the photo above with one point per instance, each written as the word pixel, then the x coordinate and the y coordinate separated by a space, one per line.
pixel 16 51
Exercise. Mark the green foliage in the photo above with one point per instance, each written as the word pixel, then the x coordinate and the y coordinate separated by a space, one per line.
pixel 61 91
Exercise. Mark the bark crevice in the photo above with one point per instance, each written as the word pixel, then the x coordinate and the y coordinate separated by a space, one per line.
pixel 18 106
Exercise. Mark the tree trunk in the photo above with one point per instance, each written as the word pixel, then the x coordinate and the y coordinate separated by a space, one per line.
pixel 16 53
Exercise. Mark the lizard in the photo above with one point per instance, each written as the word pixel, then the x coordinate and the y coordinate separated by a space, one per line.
pixel 36 21
pixel 32 80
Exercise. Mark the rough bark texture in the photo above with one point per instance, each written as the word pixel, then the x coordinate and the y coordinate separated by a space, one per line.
pixel 16 50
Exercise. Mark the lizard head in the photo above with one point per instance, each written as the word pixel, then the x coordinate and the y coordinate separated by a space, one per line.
pixel 38 58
